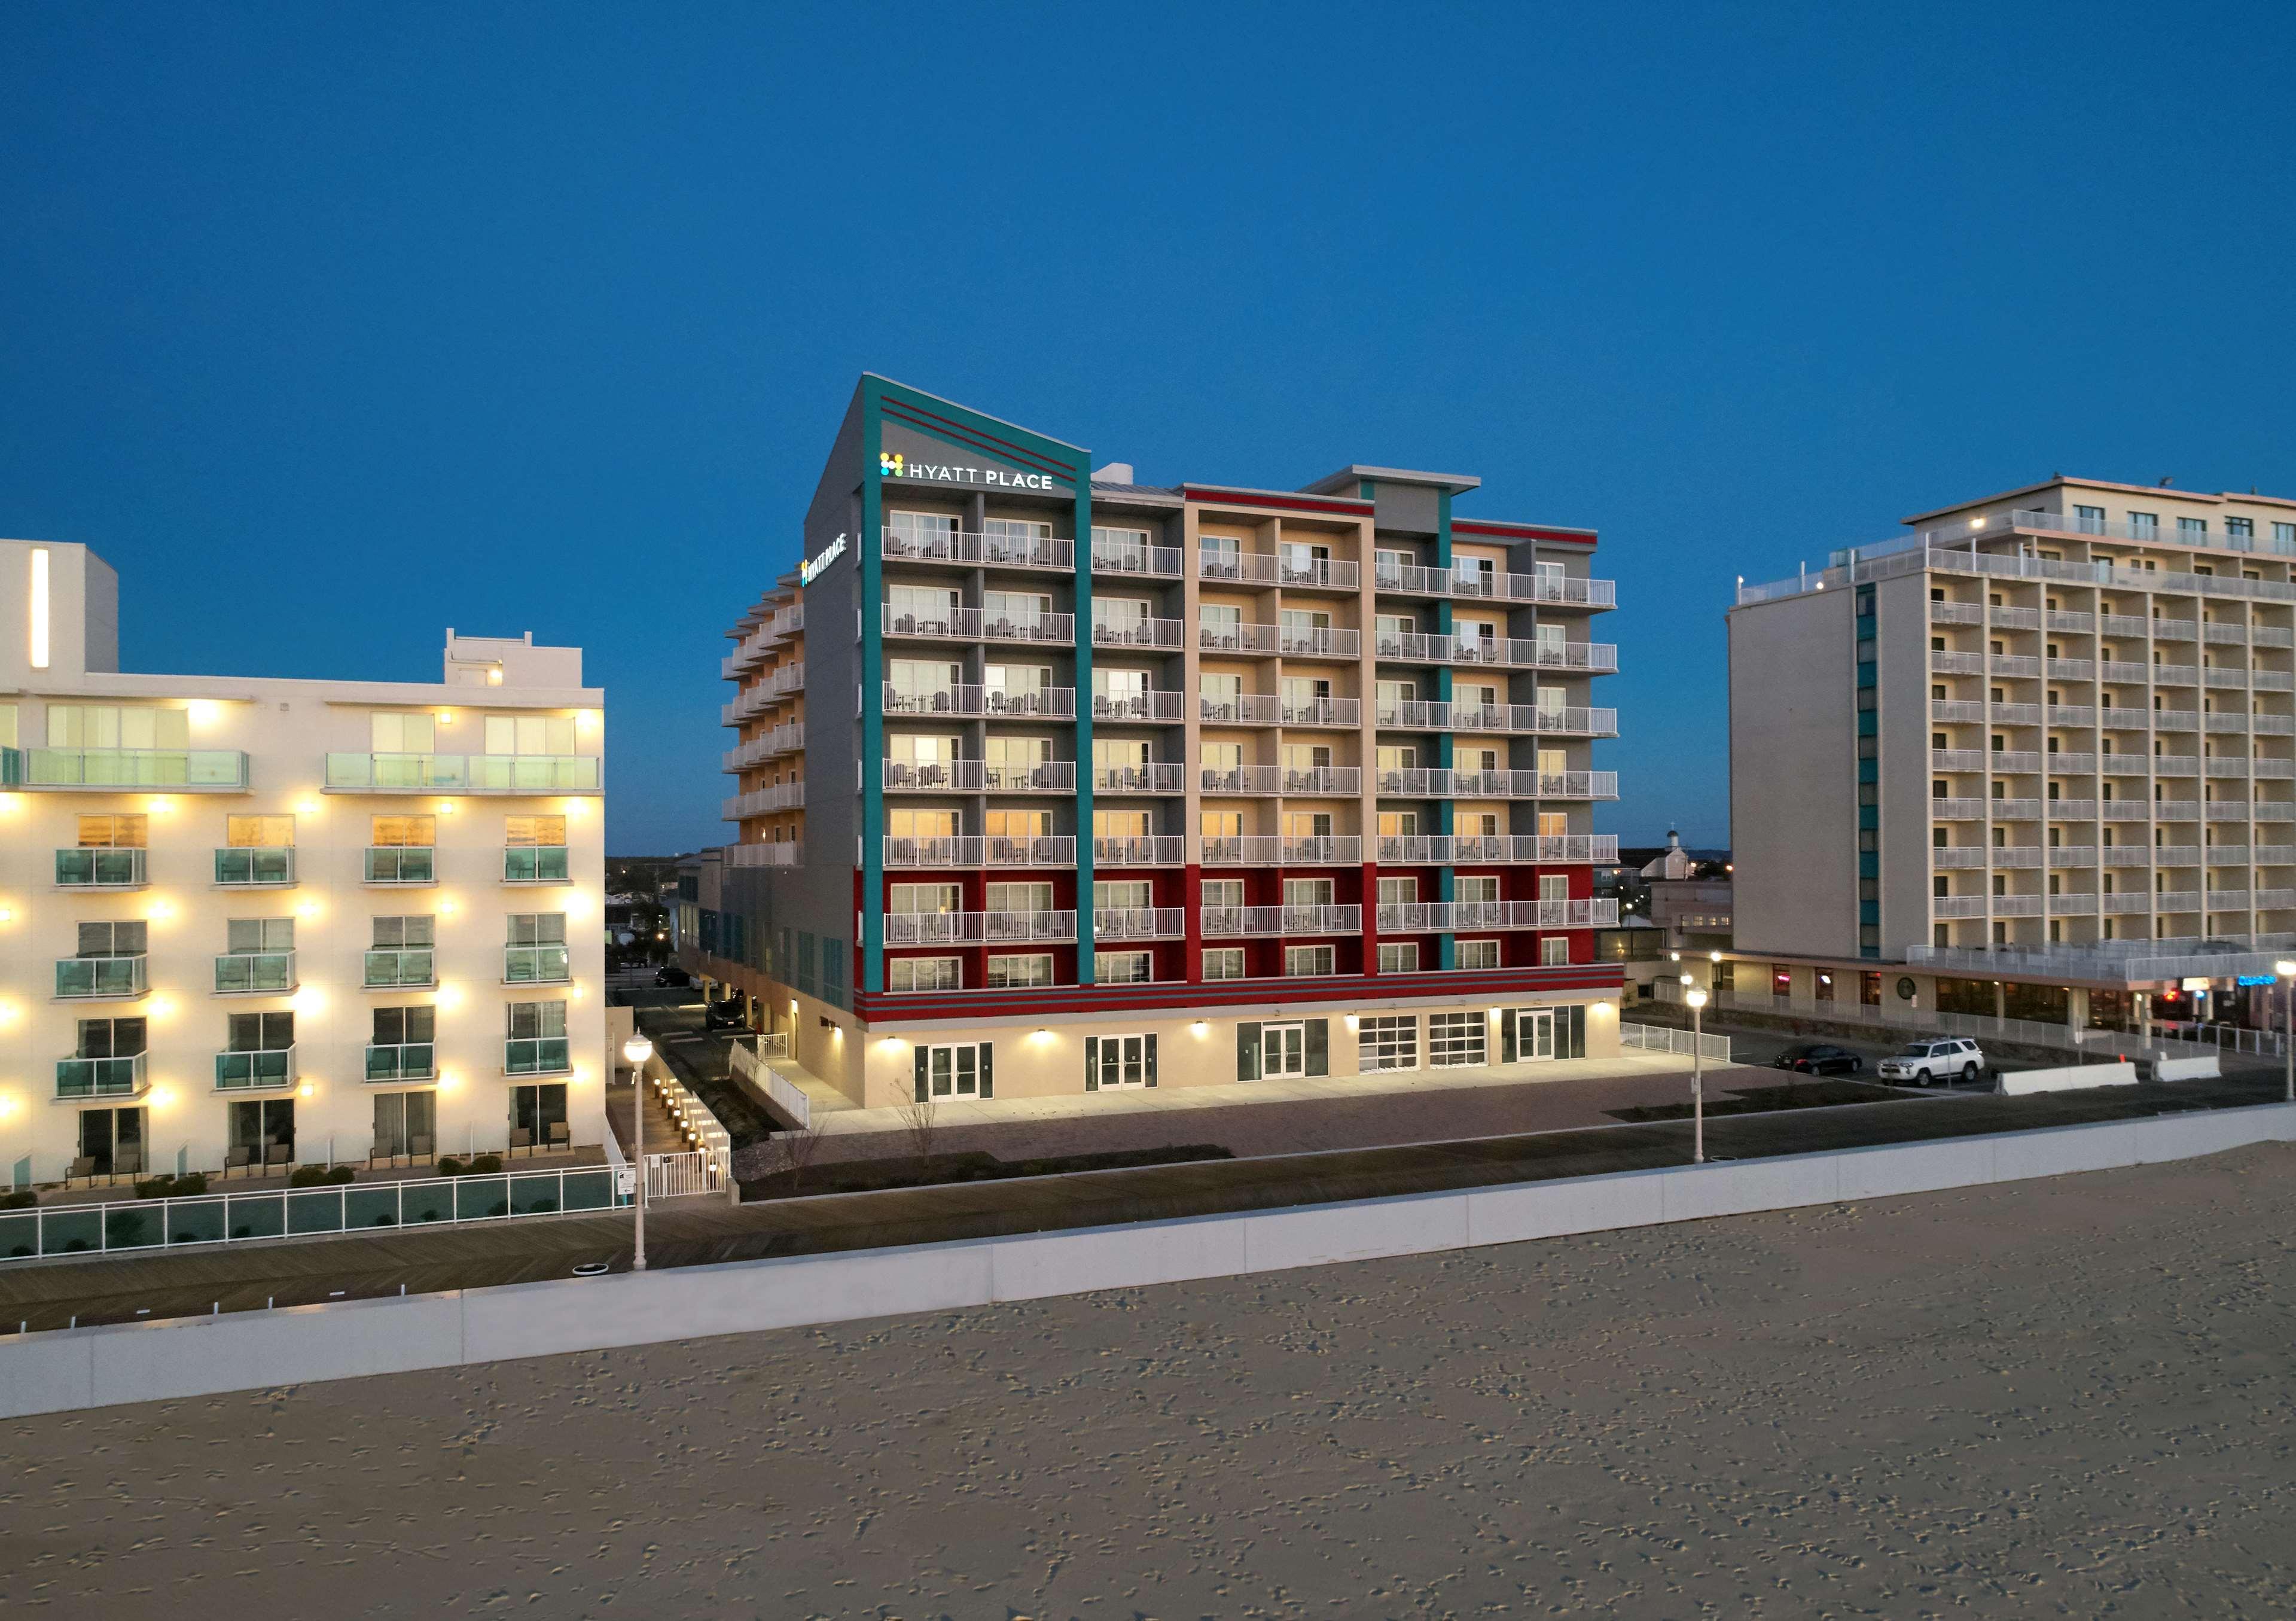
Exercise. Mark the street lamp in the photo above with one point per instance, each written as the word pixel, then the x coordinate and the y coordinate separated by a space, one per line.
pixel 1697 1001
pixel 2286 971
pixel 638 1049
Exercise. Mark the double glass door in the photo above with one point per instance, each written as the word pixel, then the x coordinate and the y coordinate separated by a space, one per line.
pixel 1283 1051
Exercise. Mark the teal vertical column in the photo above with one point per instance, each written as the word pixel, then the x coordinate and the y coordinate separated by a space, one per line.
pixel 1084 719
pixel 869 574
pixel 1447 945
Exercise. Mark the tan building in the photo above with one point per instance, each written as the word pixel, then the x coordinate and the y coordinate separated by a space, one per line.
pixel 2043 750
pixel 254 923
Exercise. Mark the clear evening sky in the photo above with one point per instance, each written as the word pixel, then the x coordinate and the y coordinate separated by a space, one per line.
pixel 330 326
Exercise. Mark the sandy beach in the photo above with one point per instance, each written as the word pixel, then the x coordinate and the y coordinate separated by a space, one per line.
pixel 2060 1398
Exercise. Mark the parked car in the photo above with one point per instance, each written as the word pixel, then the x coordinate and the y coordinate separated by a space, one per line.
pixel 1817 1058
pixel 1924 1063
pixel 728 1015
pixel 671 975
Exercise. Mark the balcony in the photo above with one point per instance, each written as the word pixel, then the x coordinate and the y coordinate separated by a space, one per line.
pixel 1413 647
pixel 1957 809
pixel 2177 900
pixel 536 1055
pixel 122 1077
pixel 2175 630
pixel 1156 777
pixel 251 867
pixel 545 963
pixel 1268 849
pixel 757 802
pixel 1323 712
pixel 1237 639
pixel 972 625
pixel 1296 570
pixel 2072 715
pixel 1139 923
pixel 400 968
pixel 2013 664
pixel 2063 761
pixel 1247 709
pixel 1321 642
pixel 1443 848
pixel 975 851
pixel 1139 706
pixel 1446 916
pixel 84 869
pixel 1944 662
pixel 2124 905
pixel 978 776
pixel 1323 780
pixel 1242 779
pixel 1436 783
pixel 1148 633
pixel 979 928
pixel 406 1061
pixel 254 972
pixel 402 864
pixel 103 771
pixel 1137 850
pixel 1136 562
pixel 1239 567
pixel 102 979
pixel 993 551
pixel 249 1072
pixel 1957 857
pixel 1037 704
pixel 2176 675
pixel 1469 584
pixel 463 773
pixel 1435 715
pixel 2072 810
pixel 1957 906
pixel 2076 624
pixel 785 853
pixel 1227 922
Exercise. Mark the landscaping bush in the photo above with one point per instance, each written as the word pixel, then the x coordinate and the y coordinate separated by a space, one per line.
pixel 450 1166
pixel 156 1188
pixel 23 1200
pixel 319 1176
pixel 195 1184
pixel 486 1165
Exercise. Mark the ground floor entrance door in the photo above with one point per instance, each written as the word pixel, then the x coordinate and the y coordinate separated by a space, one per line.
pixel 1283 1051
pixel 538 1116
pixel 266 1128
pixel 111 1140
pixel 406 1122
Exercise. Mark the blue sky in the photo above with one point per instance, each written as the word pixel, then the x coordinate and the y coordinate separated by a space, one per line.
pixel 332 326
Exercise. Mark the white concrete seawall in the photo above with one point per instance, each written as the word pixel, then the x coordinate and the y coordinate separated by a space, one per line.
pixel 100 1367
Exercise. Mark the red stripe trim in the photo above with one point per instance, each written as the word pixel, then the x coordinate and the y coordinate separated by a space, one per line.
pixel 1214 495
pixel 943 428
pixel 1522 532
pixel 885 1008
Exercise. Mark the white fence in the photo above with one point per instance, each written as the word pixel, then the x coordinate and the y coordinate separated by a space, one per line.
pixel 1658 1037
pixel 778 1090
pixel 68 1369
pixel 707 1162
pixel 677 1176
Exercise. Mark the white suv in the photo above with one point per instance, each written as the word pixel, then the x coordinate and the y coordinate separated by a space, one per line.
pixel 1948 1059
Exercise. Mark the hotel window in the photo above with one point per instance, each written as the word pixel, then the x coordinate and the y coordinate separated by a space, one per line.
pixel 1119 753
pixel 1123 967
pixel 1114 1062
pixel 2089 520
pixel 1016 539
pixel 1221 625
pixel 1387 566
pixel 1306 824
pixel 1391 628
pixel 1027 898
pixel 931 533
pixel 524 831
pixel 1554 824
pixel 2240 529
pixel 1019 823
pixel 1222 892
pixel 1386 1041
pixel 1479 953
pixel 1019 973
pixel 114 938
pixel 920 824
pixel 403 832
pixel 111 726
pixel 922 974
pixel 917 682
pixel 1479 891
pixel 1120 824
pixel 1396 757
pixel 112 832
pixel 1307 891
pixel 1224 962
pixel 1302 694
pixel 1456 1039
pixel 1399 892
pixel 2193 530
pixel 2144 525
pixel 1122 549
pixel 1222 765
pixel 1478 824
pixel 914 605
pixel 915 900
pixel 1553 950
pixel 403 733
pixel 1130 895
pixel 1220 824
pixel 1389 697
pixel 1221 696
pixel 265 832
pixel 1398 957
pixel 1554 886
pixel 1398 824
pixel 529 734
pixel 1479 760
pixel 1308 962
pixel 1222 557
pixel 961 1069
pixel 2283 535
pixel 1475 575
pixel 1122 615
pixel 1024 611
pixel 1017 688
pixel 1475 633
pixel 1011 763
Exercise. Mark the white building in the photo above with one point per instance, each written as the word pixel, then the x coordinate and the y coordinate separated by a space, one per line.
pixel 251 923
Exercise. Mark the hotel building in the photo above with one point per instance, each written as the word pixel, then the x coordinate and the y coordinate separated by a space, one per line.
pixel 252 923
pixel 2037 757
pixel 1044 775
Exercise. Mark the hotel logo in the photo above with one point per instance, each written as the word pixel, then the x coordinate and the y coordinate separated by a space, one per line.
pixel 888 463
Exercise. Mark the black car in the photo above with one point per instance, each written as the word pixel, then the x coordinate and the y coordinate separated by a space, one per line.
pixel 671 975
pixel 728 1015
pixel 1816 1059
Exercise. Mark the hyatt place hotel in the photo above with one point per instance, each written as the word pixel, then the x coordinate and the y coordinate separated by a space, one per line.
pixel 1051 782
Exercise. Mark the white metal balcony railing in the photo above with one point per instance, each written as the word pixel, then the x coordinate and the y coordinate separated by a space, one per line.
pixel 1035 703
pixel 1322 781
pixel 979 928
pixel 1478 585
pixel 1238 567
pixel 1956 614
pixel 1137 850
pixel 1237 638
pixel 1437 715
pixel 1139 923
pixel 1227 922
pixel 1443 848
pixel 1150 633
pixel 1944 661
pixel 975 625
pixel 464 773
pixel 1241 780
pixel 1437 782
pixel 1323 712
pixel 790 852
pixel 2067 762
pixel 1504 652
pixel 1322 642
pixel 1155 777
pixel 1271 850
pixel 977 777
pixel 763 801
pixel 1949 552
pixel 1447 917
pixel 973 850
pixel 2072 810
pixel 1316 573
pixel 1146 562
pixel 971 545
pixel 1146 706
pixel 1957 857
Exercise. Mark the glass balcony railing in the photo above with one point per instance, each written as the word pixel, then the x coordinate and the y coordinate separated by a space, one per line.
pixel 540 1056
pixel 225 768
pixel 251 972
pixel 101 978
pixel 396 969
pixel 248 1071
pixel 99 1077
pixel 402 864
pixel 100 869
pixel 465 773
pixel 534 864
pixel 535 965
pixel 408 1061
pixel 248 868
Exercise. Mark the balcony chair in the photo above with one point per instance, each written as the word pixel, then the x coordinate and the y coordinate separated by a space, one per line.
pixel 239 1157
pixel 561 1137
pixel 280 1154
pixel 83 1170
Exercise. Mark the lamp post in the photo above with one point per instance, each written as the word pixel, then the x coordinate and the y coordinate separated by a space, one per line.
pixel 2286 970
pixel 638 1049
pixel 1696 998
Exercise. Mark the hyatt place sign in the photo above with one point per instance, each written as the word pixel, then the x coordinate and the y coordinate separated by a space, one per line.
pixel 894 465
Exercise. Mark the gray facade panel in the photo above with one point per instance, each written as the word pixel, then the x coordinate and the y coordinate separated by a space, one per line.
pixel 1793 775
